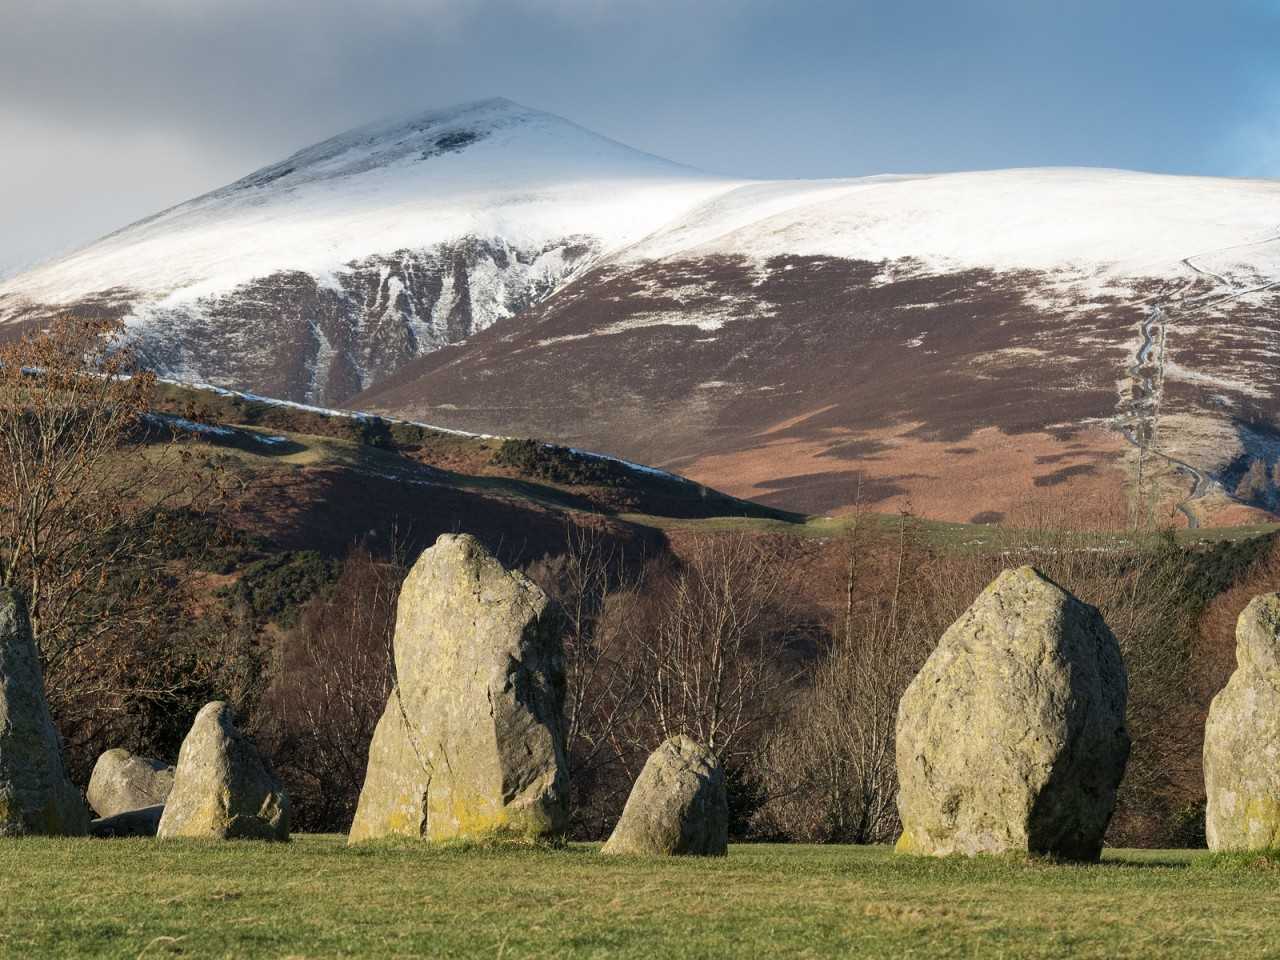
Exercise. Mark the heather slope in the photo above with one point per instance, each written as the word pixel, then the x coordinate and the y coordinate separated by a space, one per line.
pixel 961 342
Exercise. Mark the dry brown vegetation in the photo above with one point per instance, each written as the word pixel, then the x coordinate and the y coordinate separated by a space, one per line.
pixel 154 593
pixel 86 499
pixel 823 636
pixel 329 682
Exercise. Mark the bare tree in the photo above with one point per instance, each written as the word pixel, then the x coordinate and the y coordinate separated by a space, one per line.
pixel 330 682
pixel 829 768
pixel 86 476
pixel 711 654
pixel 70 403
pixel 600 689
pixel 596 587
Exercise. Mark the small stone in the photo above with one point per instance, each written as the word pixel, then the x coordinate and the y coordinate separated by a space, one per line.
pixel 222 790
pixel 677 806
pixel 122 781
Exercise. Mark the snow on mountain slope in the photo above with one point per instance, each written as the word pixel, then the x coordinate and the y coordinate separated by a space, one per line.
pixel 367 249
pixel 804 343
pixel 1103 223
pixel 489 169
pixel 793 341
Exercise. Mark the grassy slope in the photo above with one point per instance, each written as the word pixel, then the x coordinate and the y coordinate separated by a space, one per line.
pixel 418 454
pixel 415 454
pixel 315 897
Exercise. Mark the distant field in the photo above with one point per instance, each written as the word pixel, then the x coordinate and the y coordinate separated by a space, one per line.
pixel 315 897
pixel 938 532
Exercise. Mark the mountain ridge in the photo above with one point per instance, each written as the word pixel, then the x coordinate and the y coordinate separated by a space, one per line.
pixel 857 330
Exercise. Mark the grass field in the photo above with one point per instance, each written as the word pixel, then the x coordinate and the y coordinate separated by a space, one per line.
pixel 317 898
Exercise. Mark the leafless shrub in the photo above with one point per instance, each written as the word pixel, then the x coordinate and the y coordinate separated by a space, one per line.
pixel 829 769
pixel 329 685
pixel 711 645
pixel 595 585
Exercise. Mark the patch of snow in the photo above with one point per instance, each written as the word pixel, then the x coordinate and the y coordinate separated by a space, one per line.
pixel 1176 371
pixel 190 426
pixel 634 467
pixel 705 322
pixel 324 411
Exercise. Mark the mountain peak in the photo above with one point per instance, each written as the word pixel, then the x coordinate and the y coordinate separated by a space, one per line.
pixel 485 168
pixel 408 138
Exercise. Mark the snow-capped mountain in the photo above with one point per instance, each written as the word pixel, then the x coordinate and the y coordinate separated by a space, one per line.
pixel 959 341
pixel 314 277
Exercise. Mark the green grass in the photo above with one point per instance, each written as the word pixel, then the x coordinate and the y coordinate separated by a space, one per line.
pixel 941 533
pixel 314 897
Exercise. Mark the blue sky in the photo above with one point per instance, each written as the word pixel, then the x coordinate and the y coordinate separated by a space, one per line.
pixel 112 110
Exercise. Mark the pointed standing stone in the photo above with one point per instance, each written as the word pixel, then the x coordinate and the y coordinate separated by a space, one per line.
pixel 36 795
pixel 221 788
pixel 1012 736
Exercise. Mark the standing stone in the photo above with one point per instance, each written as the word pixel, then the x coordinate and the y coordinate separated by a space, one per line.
pixel 122 781
pixel 1012 736
pixel 221 789
pixel 472 741
pixel 393 800
pixel 36 795
pixel 1242 738
pixel 678 805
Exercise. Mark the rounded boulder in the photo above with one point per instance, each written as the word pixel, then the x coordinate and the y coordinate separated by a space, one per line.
pixel 123 781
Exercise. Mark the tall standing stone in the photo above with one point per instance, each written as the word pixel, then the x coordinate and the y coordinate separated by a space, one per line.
pixel 1012 736
pixel 678 805
pixel 222 790
pixel 472 741
pixel 1242 738
pixel 36 795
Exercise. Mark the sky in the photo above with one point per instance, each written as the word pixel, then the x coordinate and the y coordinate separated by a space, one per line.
pixel 113 109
